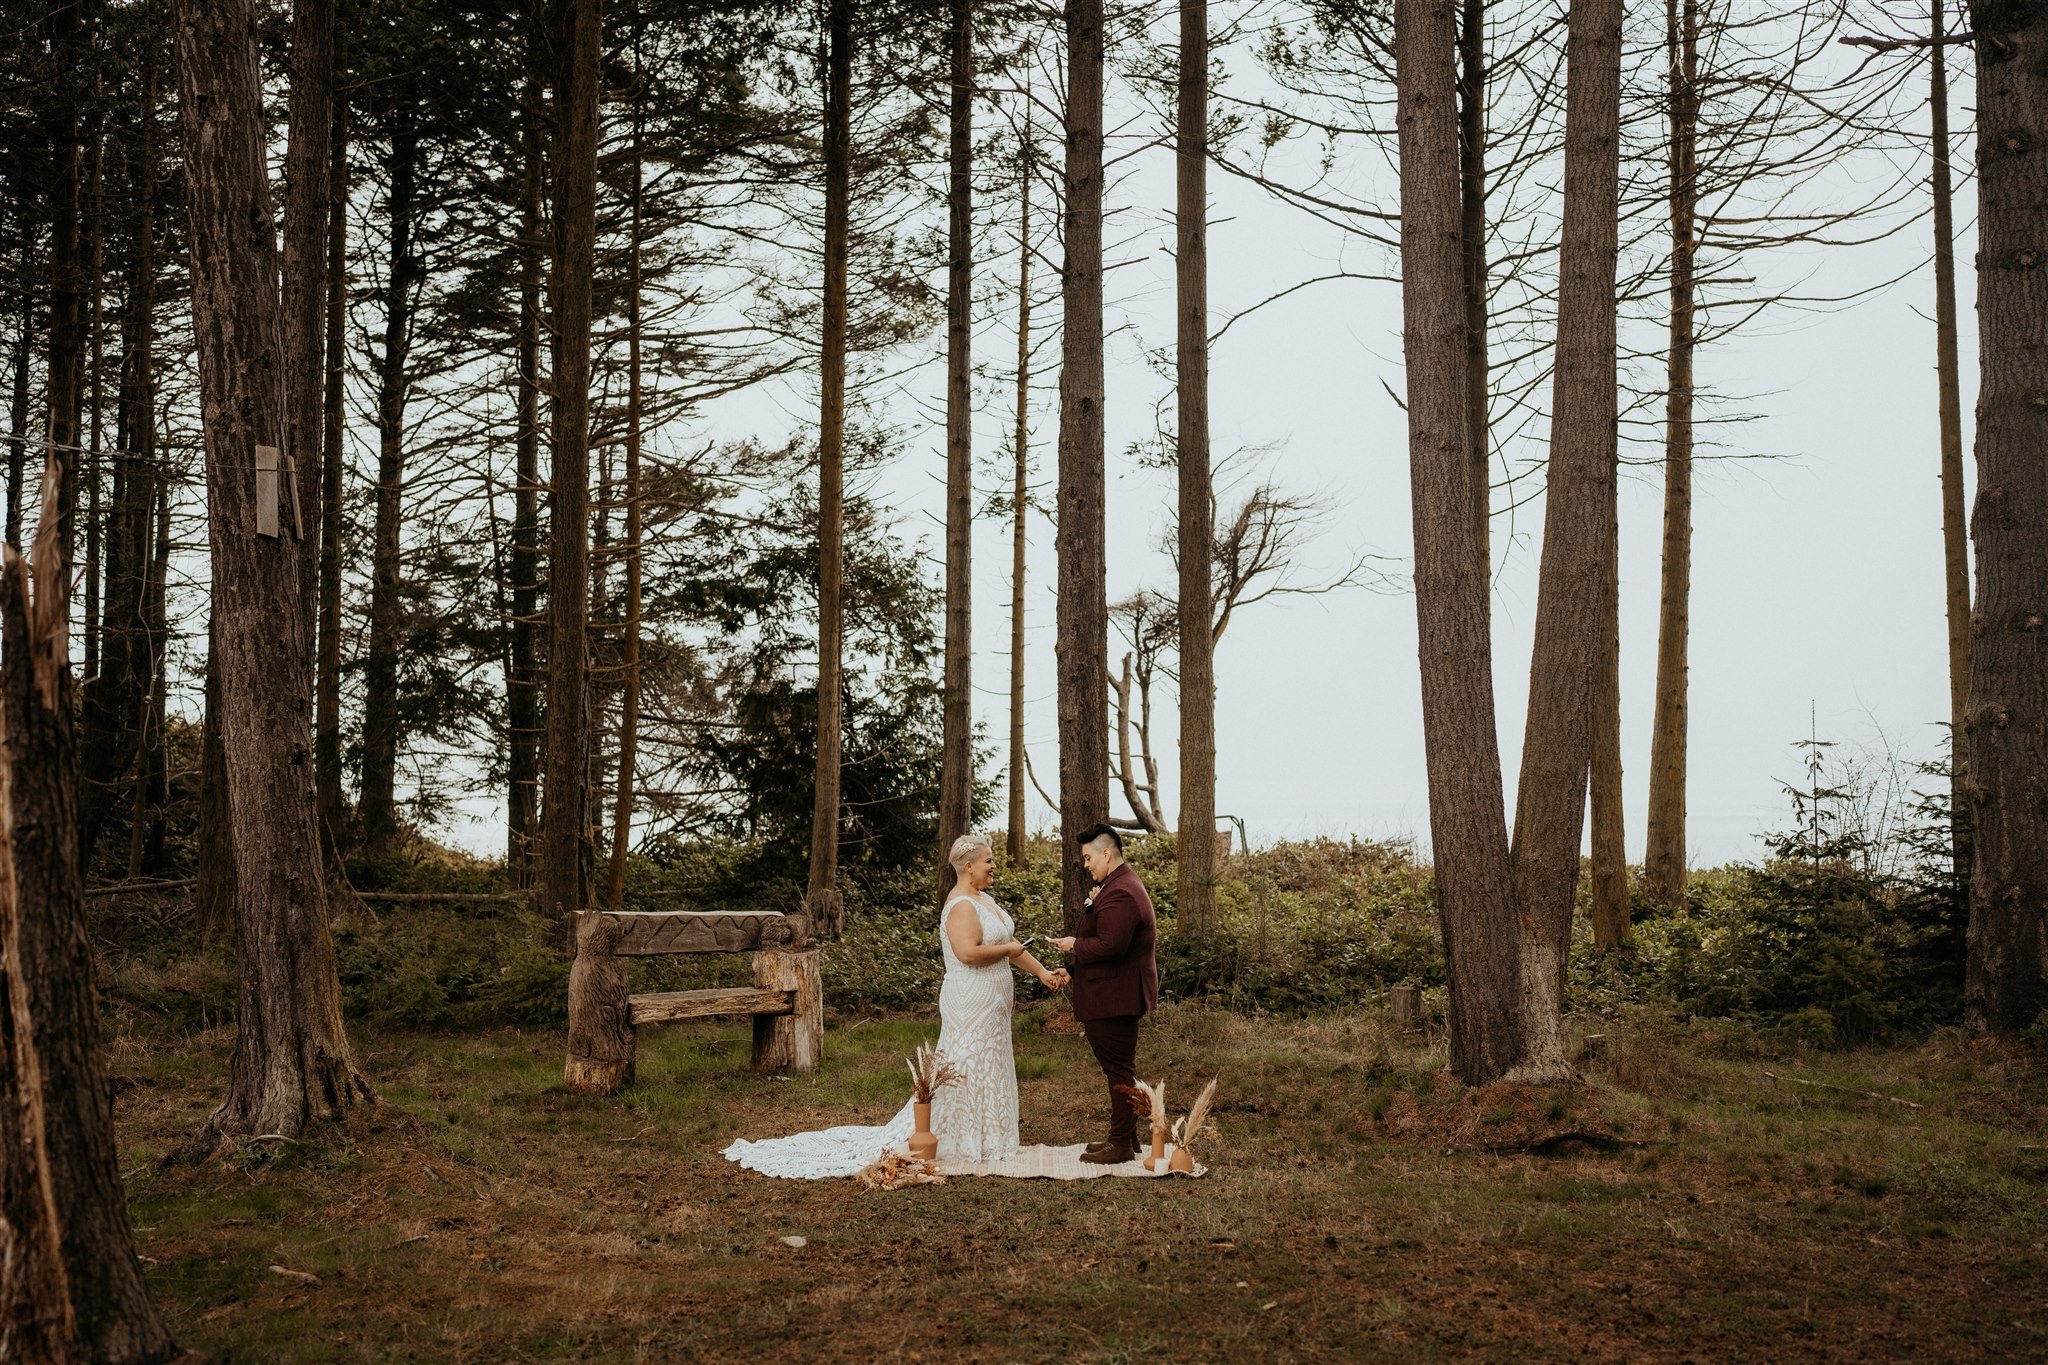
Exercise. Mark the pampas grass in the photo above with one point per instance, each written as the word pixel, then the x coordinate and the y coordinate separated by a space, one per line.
pixel 1187 1129
pixel 1149 1101
pixel 929 1070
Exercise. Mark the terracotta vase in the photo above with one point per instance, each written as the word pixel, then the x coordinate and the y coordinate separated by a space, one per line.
pixel 1182 1161
pixel 1158 1157
pixel 924 1145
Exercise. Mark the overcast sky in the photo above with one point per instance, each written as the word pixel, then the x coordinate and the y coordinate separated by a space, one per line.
pixel 1817 588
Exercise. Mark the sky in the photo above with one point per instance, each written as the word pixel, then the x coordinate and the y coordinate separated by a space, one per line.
pixel 1817 573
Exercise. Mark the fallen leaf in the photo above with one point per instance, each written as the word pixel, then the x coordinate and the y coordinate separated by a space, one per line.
pixel 1266 1307
pixel 298 1276
pixel 798 1242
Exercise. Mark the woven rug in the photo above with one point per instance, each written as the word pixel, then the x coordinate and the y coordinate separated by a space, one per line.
pixel 1057 1163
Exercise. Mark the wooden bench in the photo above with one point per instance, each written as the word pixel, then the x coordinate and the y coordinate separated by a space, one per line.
pixel 786 1001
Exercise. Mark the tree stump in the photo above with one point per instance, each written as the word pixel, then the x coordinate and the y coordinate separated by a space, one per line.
pixel 1405 1003
pixel 796 1040
pixel 600 1018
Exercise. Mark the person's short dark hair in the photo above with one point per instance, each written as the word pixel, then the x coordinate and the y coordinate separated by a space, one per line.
pixel 1094 832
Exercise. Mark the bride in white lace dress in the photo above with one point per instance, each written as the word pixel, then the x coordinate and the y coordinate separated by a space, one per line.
pixel 975 1117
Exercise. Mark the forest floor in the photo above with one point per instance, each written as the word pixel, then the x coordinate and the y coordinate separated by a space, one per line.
pixel 1695 1198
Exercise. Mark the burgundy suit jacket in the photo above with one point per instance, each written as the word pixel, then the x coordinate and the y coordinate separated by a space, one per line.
pixel 1115 975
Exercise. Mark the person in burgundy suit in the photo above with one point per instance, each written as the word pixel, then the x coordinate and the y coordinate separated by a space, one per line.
pixel 1115 979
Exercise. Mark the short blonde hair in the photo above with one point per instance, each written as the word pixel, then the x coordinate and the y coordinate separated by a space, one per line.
pixel 965 847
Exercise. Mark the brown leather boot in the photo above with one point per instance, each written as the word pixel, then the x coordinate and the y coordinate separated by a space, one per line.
pixel 1109 1154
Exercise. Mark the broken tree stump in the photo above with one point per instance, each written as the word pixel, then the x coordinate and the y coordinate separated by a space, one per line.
pixel 1405 1004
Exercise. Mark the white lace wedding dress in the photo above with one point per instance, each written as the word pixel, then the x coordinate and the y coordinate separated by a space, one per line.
pixel 974 1118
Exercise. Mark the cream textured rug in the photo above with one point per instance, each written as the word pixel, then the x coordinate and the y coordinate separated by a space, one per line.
pixel 1056 1163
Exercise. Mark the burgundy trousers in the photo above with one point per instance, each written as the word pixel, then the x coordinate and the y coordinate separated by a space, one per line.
pixel 1115 1042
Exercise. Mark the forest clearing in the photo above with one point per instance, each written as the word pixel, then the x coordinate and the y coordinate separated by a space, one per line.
pixel 1361 1208
pixel 668 666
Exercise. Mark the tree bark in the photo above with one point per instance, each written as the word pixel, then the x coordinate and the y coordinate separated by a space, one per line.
pixel 822 900
pixel 332 805
pixel 213 882
pixel 566 845
pixel 1572 611
pixel 1664 864
pixel 1083 612
pixel 379 803
pixel 1472 94
pixel 292 1066
pixel 1020 495
pixel 308 189
pixel 1468 834
pixel 1195 852
pixel 1610 847
pixel 110 1306
pixel 1954 529
pixel 2003 987
pixel 629 663
pixel 522 685
pixel 36 1321
pixel 956 764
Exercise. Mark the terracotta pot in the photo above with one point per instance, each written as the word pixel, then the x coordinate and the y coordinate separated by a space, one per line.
pixel 923 1144
pixel 1182 1161
pixel 1158 1157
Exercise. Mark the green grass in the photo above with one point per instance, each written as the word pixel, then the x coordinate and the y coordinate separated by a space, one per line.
pixel 1360 1205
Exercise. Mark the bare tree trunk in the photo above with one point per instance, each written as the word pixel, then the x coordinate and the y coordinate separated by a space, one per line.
pixel 1083 613
pixel 110 744
pixel 566 851
pixel 308 190
pixel 629 700
pixel 24 346
pixel 1472 94
pixel 152 756
pixel 1578 540
pixel 332 807
pixel 1954 530
pixel 292 1066
pixel 70 50
pixel 822 901
pixel 115 1320
pixel 96 331
pixel 1610 847
pixel 2003 986
pixel 380 662
pixel 522 684
pixel 1020 498
pixel 1195 852
pixel 1134 795
pixel 956 777
pixel 1664 867
pixel 1468 833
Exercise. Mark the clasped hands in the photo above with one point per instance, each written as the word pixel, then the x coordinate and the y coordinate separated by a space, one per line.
pixel 1054 980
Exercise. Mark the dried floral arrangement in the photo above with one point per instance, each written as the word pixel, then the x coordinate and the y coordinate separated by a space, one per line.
pixel 1188 1128
pixel 893 1172
pixel 929 1070
pixel 1150 1102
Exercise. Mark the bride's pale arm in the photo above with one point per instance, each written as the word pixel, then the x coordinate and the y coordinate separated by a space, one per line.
pixel 963 931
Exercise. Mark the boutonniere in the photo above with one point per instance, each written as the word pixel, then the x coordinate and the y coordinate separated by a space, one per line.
pixel 1090 902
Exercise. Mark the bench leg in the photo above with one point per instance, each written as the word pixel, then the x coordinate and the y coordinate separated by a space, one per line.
pixel 794 1041
pixel 600 1018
